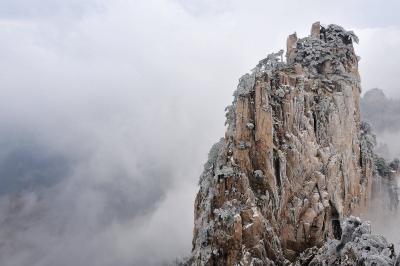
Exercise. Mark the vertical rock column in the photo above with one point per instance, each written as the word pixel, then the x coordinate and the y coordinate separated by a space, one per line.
pixel 291 164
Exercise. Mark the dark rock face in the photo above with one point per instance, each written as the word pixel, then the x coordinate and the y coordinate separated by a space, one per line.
pixel 294 161
pixel 357 246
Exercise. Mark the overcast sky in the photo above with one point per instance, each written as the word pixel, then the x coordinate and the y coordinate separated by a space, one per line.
pixel 112 106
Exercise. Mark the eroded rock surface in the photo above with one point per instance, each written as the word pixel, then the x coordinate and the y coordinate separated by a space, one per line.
pixel 294 160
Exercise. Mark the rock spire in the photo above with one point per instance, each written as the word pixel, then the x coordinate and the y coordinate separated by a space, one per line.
pixel 294 160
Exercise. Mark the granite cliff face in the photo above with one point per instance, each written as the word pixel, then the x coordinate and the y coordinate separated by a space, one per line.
pixel 295 159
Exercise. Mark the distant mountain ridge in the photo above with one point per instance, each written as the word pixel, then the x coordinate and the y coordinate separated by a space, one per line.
pixel 380 111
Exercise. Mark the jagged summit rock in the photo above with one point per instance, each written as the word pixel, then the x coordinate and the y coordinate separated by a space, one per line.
pixel 294 161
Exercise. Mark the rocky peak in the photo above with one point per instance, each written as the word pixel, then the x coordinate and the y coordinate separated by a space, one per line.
pixel 294 161
pixel 375 96
pixel 380 111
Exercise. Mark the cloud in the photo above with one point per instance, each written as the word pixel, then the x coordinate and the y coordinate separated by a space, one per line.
pixel 379 58
pixel 119 102
pixel 46 9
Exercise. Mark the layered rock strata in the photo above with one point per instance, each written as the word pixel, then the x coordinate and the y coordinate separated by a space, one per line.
pixel 294 160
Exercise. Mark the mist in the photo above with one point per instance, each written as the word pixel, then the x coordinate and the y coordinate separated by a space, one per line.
pixel 383 114
pixel 108 110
